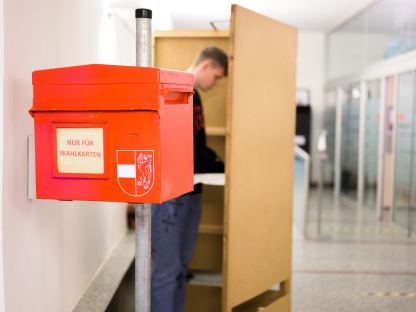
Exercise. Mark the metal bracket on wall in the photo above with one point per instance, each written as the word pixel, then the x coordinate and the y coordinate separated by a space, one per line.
pixel 214 23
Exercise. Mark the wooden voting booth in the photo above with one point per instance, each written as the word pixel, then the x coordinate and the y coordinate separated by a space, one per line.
pixel 243 253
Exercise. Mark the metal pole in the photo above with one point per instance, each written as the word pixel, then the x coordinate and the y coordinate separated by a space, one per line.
pixel 143 211
pixel 143 257
pixel 143 37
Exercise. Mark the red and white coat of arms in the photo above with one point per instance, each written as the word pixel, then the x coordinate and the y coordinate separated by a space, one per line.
pixel 135 171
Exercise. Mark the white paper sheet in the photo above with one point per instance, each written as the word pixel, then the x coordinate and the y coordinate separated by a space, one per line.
pixel 209 178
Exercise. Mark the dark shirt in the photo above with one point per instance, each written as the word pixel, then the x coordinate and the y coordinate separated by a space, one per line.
pixel 205 159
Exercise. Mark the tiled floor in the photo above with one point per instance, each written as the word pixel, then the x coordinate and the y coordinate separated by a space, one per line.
pixel 353 263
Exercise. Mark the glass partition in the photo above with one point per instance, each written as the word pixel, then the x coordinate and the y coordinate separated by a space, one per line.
pixel 349 141
pixel 330 128
pixel 301 190
pixel 403 199
pixel 371 137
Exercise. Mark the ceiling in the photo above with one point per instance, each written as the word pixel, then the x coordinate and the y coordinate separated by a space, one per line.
pixel 310 15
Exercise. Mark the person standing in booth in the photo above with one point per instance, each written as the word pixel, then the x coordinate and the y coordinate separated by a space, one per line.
pixel 175 222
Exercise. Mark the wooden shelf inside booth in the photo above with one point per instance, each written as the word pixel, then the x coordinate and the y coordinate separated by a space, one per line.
pixel 211 229
pixel 216 131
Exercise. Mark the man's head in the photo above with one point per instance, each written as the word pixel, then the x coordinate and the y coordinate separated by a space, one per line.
pixel 209 67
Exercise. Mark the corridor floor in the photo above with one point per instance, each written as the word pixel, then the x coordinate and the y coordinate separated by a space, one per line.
pixel 351 262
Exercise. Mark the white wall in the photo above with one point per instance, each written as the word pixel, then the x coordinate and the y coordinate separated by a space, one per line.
pixel 51 249
pixel 311 75
pixel 1 152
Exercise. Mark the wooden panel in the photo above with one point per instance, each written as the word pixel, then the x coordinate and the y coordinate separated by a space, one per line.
pixel 269 300
pixel 281 305
pixel 217 143
pixel 196 34
pixel 260 153
pixel 202 299
pixel 276 301
pixel 208 253
pixel 178 49
pixel 212 205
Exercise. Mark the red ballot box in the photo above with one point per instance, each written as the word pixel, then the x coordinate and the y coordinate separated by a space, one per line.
pixel 113 133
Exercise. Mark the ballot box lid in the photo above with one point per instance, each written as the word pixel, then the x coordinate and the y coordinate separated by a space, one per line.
pixel 99 87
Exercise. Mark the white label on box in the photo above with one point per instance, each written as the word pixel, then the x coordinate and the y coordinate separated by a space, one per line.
pixel 80 150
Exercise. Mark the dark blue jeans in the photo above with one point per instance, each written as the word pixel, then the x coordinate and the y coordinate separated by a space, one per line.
pixel 174 231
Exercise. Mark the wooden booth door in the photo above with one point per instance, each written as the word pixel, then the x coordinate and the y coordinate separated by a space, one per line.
pixel 259 157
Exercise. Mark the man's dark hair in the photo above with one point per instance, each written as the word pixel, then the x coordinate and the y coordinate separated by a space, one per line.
pixel 215 54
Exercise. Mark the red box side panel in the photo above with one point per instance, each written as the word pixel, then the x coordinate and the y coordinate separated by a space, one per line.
pixel 177 149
